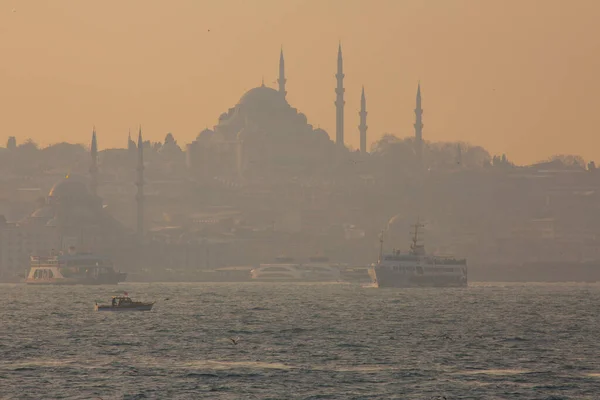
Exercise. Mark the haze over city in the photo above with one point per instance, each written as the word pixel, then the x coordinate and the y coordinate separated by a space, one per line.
pixel 514 77
pixel 333 199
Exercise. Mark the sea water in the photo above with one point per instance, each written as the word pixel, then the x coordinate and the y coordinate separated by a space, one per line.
pixel 301 341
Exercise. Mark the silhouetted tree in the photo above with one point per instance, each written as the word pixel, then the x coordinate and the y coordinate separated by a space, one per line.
pixel 170 148
pixel 169 139
pixel 383 145
pixel 501 161
pixel 29 145
pixel 591 166
pixel 569 160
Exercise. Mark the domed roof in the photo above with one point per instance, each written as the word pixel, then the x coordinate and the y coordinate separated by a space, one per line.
pixel 263 96
pixel 205 133
pixel 321 133
pixel 69 187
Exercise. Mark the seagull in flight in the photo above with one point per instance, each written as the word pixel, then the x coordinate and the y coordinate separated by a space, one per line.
pixel 235 341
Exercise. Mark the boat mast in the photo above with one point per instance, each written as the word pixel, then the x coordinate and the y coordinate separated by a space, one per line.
pixel 415 247
pixel 380 247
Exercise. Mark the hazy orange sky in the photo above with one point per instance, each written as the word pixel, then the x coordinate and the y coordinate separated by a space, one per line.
pixel 520 77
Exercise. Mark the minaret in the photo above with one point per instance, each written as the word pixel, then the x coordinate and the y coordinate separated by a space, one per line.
pixel 94 166
pixel 419 125
pixel 140 189
pixel 362 128
pixel 339 102
pixel 281 81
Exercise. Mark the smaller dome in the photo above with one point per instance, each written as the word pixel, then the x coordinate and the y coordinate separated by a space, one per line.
pixel 302 118
pixel 71 186
pixel 205 134
pixel 321 133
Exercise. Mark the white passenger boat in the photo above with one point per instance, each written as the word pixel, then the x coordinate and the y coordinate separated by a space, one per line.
pixel 417 269
pixel 73 269
pixel 285 269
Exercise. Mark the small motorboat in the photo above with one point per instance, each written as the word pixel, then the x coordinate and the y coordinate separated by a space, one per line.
pixel 124 303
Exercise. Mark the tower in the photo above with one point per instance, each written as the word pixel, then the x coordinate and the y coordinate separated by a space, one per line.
pixel 94 166
pixel 362 128
pixel 281 81
pixel 140 188
pixel 339 101
pixel 419 125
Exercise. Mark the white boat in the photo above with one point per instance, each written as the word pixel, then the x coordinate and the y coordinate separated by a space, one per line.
pixel 124 303
pixel 73 269
pixel 416 268
pixel 318 269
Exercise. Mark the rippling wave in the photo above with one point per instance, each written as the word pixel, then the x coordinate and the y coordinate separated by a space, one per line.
pixel 488 341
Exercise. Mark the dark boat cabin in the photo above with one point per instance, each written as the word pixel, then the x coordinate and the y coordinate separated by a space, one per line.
pixel 118 301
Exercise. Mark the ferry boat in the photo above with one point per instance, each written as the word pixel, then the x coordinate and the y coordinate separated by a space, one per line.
pixel 416 268
pixel 73 269
pixel 124 303
pixel 285 269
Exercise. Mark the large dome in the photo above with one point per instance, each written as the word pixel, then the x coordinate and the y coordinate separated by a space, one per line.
pixel 263 97
pixel 70 187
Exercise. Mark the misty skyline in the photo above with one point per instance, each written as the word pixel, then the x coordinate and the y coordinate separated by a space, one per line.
pixel 516 78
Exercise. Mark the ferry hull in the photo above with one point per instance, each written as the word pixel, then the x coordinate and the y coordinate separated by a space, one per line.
pixel 111 279
pixel 385 278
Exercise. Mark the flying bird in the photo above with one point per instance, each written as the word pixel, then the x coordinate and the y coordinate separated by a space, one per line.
pixel 235 341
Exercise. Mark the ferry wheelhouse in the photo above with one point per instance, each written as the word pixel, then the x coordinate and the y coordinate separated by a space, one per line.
pixel 416 268
pixel 73 269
